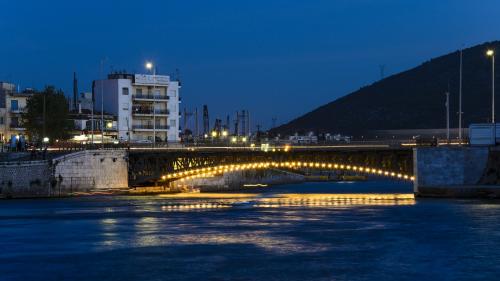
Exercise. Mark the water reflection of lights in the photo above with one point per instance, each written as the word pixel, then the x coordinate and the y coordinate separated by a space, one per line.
pixel 326 200
pixel 109 231
pixel 213 201
pixel 154 229
pixel 189 207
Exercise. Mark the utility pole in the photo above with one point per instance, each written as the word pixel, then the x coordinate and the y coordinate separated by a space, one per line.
pixel 196 122
pixel 249 131
pixel 154 107
pixel 460 102
pixel 102 103
pixel 447 116
pixel 92 114
pixel 44 118
pixel 491 53
pixel 75 92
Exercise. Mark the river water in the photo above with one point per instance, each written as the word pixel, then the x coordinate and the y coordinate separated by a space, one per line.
pixel 371 230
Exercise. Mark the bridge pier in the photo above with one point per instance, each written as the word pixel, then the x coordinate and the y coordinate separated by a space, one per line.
pixel 460 172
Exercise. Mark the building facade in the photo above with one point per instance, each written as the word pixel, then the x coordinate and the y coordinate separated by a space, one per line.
pixel 15 106
pixel 5 89
pixel 146 106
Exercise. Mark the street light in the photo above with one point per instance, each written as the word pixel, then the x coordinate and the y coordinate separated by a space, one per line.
pixel 45 139
pixel 491 53
pixel 109 125
pixel 224 133
pixel 149 65
pixel 214 134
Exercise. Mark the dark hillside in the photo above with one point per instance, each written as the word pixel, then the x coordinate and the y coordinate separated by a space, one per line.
pixel 412 99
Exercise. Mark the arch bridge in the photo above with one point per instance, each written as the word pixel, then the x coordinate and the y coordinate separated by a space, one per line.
pixel 148 167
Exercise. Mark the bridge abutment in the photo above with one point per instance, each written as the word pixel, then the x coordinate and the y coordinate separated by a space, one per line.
pixel 92 170
pixel 452 172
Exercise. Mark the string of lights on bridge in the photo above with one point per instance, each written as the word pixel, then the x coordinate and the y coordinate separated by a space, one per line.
pixel 206 172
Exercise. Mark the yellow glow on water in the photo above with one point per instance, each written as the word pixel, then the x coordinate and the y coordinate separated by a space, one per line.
pixel 252 200
pixel 327 200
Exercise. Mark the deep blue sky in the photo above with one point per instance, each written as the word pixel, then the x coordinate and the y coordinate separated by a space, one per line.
pixel 274 58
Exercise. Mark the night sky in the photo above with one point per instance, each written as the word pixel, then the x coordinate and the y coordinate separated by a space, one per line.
pixel 275 58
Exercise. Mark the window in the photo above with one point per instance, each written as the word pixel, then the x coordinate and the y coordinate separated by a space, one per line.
pixel 173 123
pixel 14 105
pixel 125 106
pixel 14 122
pixel 125 91
pixel 1 120
pixel 138 91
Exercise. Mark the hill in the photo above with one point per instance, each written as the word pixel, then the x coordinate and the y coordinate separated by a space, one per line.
pixel 413 99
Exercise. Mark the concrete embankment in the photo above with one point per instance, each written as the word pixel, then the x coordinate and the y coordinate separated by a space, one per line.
pixel 457 172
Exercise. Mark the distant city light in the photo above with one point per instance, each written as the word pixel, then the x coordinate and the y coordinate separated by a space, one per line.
pixel 45 139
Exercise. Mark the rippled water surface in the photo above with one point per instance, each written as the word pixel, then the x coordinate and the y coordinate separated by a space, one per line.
pixel 315 231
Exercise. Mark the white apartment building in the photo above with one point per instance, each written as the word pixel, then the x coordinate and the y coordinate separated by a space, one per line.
pixel 146 106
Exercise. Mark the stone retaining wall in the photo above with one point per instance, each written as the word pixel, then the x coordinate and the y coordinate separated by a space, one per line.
pixel 92 169
pixel 25 179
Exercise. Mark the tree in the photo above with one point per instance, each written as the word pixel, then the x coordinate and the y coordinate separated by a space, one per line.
pixel 55 123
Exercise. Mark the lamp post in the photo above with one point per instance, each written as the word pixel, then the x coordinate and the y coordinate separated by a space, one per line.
pixel 102 101
pixel 151 67
pixel 491 54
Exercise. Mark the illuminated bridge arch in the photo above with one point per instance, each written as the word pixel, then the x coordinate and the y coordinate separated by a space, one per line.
pixel 210 171
pixel 149 167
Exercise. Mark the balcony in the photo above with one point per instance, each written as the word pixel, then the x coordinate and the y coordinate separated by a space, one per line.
pixel 147 111
pixel 150 97
pixel 18 110
pixel 149 128
pixel 16 126
pixel 162 112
